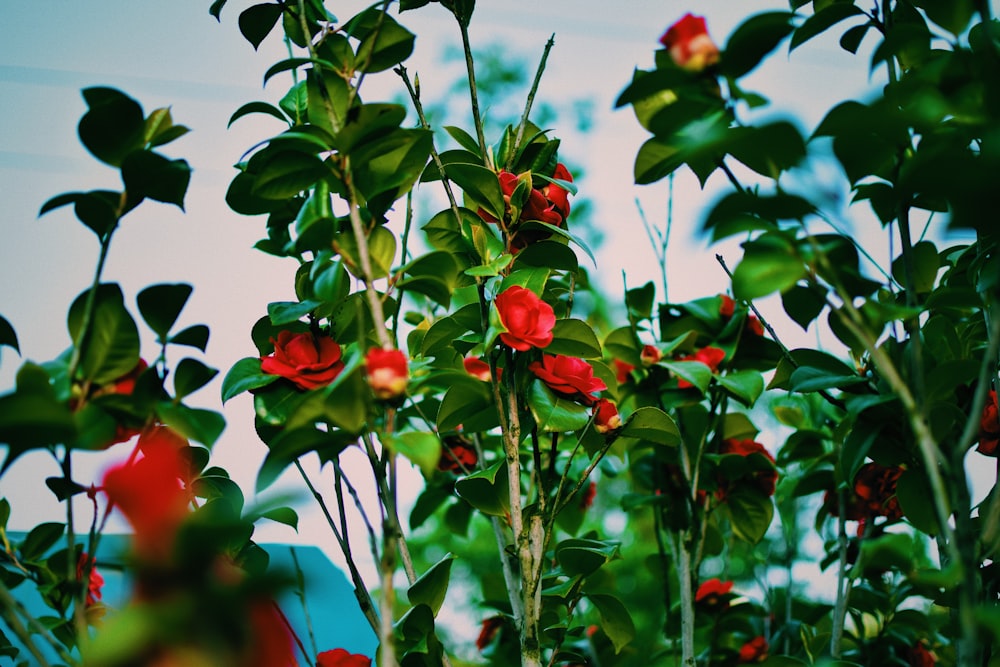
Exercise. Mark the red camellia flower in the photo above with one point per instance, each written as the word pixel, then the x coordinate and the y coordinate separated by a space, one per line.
pixel 388 372
pixel 920 656
pixel 727 306
pixel 649 355
pixel 875 485
pixel 989 427
pixel 491 626
pixel 477 368
pixel 766 479
pixel 150 493
pixel 754 326
pixel 689 45
pixel 458 455
pixel 568 375
pixel 308 361
pixel 754 651
pixel 622 371
pixel 556 194
pixel 338 657
pixel 713 594
pixel 606 417
pixel 527 319
pixel 95 582
pixel 710 356
pixel 537 207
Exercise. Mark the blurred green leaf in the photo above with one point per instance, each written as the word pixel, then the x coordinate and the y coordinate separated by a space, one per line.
pixel 110 346
pixel 753 40
pixel 160 306
pixel 204 426
pixel 113 126
pixel 150 175
pixel 822 20
pixel 422 449
pixel 190 375
pixel 616 622
pixel 750 513
pixel 8 336
pixel 193 336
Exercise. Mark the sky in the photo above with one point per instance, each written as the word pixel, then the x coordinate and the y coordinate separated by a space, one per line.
pixel 172 53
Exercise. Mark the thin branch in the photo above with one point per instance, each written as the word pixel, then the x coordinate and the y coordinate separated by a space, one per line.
pixel 531 99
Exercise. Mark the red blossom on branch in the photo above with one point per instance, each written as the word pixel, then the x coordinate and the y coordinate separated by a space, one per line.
pixel 308 361
pixel 570 376
pixel 689 45
pixel 709 355
pixel 989 427
pixel 339 657
pixel 766 480
pixel 606 416
pixel 754 651
pixel 527 319
pixel 713 594
pixel 388 372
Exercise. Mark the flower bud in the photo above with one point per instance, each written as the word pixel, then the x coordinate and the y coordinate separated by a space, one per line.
pixel 388 373
pixel 606 417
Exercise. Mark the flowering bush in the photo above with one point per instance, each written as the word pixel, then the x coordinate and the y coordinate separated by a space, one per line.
pixel 625 477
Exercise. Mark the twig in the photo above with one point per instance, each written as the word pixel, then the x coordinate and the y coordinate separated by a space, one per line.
pixel 528 103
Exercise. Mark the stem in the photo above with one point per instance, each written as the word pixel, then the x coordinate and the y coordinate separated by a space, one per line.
pixel 8 608
pixel 840 607
pixel 531 99
pixel 361 236
pixel 88 306
pixel 360 590
pixel 470 69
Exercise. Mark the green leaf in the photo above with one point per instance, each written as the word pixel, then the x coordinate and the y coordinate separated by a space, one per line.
pixel 368 122
pixel 695 372
pixel 31 416
pixel 431 587
pixel 822 20
pixel 193 336
pixel 433 274
pixel 286 312
pixel 160 306
pixel 283 515
pixel 468 403
pixel 750 513
pixel 574 338
pixel 385 169
pixel 381 252
pixel 553 412
pixel 582 557
pixel 327 100
pixel 294 63
pixel 422 449
pixel 952 15
pixel 913 491
pixel 40 539
pixel 770 264
pixel 113 126
pixel 464 139
pixel 653 425
pixel 807 378
pixel 384 42
pixel 804 303
pixel 190 375
pixel 289 445
pixel 160 129
pixel 110 348
pixel 216 8
pixel 257 21
pixel 286 173
pixel 256 107
pixel 8 336
pixel 244 376
pixel 616 622
pixel 745 386
pixel 768 149
pixel 204 426
pixel 753 40
pixel 480 185
pixel 97 209
pixel 149 174
pixel 486 490
pixel 925 262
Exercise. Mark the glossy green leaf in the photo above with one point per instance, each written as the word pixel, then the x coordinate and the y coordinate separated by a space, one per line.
pixel 98 209
pixel 285 174
pixel 8 336
pixel 381 252
pixel 386 168
pixel 193 336
pixel 695 372
pixel 616 622
pixel 327 100
pixel 653 425
pixel 160 306
pixel 190 375
pixel 283 515
pixel 41 539
pixel 290 444
pixel 150 175
pixel 384 42
pixel 750 513
pixel 110 347
pixel 160 128
pixel 257 21
pixel 804 303
pixel 807 378
pixel 554 412
pixel 434 275
pixel 925 264
pixel 244 376
pixel 286 312
pixel 770 264
pixel 256 107
pixel 745 386
pixel 200 425
pixel 486 489
pixel 113 126
pixel 480 185
pixel 468 404
pixel 431 587
pixel 913 491
pixel 31 416
pixel 822 20
pixel 753 40
pixel 583 557
pixel 422 449
pixel 368 122
pixel 574 338
pixel 295 63
pixel 347 397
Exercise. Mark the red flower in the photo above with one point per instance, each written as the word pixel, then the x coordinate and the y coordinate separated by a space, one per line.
pixel 622 371
pixel 875 485
pixel 713 593
pixel 388 372
pixel 338 657
pixel 568 375
pixel 989 427
pixel 920 656
pixel 125 386
pixel 754 651
pixel 308 361
pixel 479 369
pixel 556 194
pixel 710 356
pixel 727 306
pixel 649 355
pixel 457 455
pixel 491 626
pixel 754 326
pixel 536 207
pixel 95 581
pixel 766 479
pixel 150 493
pixel 527 319
pixel 606 417
pixel 270 643
pixel 689 45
